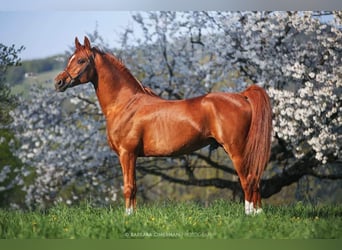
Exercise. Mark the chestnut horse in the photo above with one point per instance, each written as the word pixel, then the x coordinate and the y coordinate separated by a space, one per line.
pixel 139 123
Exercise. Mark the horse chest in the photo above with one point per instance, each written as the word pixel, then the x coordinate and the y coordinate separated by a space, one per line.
pixel 122 135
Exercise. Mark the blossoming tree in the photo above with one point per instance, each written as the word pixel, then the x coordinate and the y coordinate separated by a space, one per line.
pixel 64 152
pixel 296 56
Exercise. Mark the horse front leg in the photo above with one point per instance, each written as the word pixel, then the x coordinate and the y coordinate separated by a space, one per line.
pixel 128 161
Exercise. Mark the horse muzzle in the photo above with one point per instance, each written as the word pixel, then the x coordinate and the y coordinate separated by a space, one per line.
pixel 61 86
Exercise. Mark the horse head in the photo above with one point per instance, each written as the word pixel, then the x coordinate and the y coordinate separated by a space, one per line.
pixel 80 68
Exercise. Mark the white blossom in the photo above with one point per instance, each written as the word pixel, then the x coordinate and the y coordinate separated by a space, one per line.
pixel 53 149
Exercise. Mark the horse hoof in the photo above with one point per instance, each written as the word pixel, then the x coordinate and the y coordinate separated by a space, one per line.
pixel 258 211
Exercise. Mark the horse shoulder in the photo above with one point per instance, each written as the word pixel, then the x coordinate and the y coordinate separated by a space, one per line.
pixel 125 128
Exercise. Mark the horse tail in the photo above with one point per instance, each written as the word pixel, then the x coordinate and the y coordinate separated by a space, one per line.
pixel 258 144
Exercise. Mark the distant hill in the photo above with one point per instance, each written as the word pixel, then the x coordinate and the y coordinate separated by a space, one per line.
pixel 45 79
pixel 38 71
pixel 31 68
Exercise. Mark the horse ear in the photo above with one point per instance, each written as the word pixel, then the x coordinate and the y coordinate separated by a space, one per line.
pixel 87 43
pixel 77 44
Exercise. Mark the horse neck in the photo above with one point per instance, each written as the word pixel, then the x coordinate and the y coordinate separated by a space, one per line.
pixel 115 86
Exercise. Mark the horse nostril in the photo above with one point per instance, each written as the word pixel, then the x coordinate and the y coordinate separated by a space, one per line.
pixel 59 85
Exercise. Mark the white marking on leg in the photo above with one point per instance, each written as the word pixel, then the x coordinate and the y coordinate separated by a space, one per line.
pixel 250 210
pixel 71 59
pixel 248 207
pixel 129 210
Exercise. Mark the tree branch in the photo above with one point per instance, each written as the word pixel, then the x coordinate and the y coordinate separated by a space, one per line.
pixel 290 174
pixel 214 164
pixel 85 100
pixel 216 182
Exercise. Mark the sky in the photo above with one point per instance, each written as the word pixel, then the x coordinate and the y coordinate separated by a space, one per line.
pixel 48 28
pixel 46 33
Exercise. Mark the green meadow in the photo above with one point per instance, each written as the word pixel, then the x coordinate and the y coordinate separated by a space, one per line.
pixel 168 220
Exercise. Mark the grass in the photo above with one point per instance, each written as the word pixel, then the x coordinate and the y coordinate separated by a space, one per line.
pixel 221 220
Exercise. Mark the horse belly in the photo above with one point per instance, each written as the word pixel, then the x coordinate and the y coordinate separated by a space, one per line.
pixel 165 148
pixel 173 139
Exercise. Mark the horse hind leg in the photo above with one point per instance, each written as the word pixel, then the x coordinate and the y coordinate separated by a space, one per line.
pixel 257 200
pixel 254 196
pixel 249 186
pixel 237 162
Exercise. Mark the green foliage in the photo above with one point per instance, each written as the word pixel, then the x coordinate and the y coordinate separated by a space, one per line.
pixel 8 57
pixel 6 158
pixel 222 220
pixel 12 194
pixel 15 75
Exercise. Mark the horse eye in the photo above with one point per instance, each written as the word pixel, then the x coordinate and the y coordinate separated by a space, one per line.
pixel 81 61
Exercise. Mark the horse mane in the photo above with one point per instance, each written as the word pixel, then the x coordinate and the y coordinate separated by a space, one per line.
pixel 122 67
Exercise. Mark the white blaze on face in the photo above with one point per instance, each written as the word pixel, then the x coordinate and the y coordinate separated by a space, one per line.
pixel 71 59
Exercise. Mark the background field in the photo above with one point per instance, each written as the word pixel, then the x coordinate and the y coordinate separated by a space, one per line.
pixel 43 80
pixel 221 220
